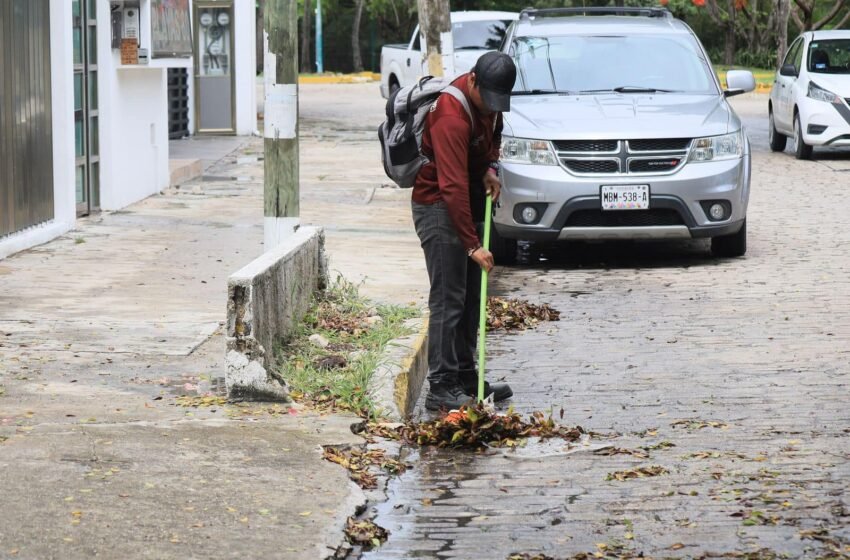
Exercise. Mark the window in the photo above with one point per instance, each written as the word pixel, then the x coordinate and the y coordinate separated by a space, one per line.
pixel 479 35
pixel 601 63
pixel 830 57
pixel 792 53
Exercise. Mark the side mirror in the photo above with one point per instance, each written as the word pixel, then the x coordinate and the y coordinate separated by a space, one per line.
pixel 788 70
pixel 739 81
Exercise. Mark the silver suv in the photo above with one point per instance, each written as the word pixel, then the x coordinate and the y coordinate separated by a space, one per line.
pixel 619 129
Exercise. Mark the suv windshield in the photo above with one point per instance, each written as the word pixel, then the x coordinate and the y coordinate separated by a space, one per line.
pixel 830 57
pixel 479 35
pixel 628 64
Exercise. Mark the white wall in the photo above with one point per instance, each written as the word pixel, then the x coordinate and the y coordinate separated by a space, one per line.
pixel 62 76
pixel 245 41
pixel 133 123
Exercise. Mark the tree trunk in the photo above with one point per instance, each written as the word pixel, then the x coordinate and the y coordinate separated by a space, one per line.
pixel 435 26
pixel 306 37
pixel 355 37
pixel 729 53
pixel 782 16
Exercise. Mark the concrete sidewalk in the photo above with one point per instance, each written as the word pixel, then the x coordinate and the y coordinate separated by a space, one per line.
pixel 102 330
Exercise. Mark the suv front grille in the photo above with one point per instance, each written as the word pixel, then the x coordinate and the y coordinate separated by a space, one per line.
pixel 633 218
pixel 653 156
pixel 587 145
pixel 592 165
pixel 660 145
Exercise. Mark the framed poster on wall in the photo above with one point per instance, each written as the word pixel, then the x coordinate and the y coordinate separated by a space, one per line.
pixel 171 29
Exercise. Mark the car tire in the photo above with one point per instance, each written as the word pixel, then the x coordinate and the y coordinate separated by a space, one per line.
pixel 776 139
pixel 504 250
pixel 734 245
pixel 801 149
pixel 394 86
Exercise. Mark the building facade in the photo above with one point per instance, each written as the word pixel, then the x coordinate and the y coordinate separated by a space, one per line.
pixel 92 91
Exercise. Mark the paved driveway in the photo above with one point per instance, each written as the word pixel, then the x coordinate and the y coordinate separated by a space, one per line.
pixel 753 352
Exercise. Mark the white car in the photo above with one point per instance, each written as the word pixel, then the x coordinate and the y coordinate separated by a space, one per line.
pixel 473 34
pixel 810 99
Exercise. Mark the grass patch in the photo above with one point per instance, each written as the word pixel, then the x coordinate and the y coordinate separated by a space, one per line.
pixel 331 357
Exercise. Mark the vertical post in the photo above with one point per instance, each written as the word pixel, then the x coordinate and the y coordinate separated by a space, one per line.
pixel 435 25
pixel 281 189
pixel 320 59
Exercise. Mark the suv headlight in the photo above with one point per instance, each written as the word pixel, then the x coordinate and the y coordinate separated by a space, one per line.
pixel 717 148
pixel 520 150
pixel 820 94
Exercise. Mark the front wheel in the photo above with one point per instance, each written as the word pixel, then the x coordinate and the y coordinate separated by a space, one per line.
pixel 734 245
pixel 801 149
pixel 776 139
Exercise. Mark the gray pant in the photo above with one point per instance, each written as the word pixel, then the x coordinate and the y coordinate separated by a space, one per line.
pixel 454 298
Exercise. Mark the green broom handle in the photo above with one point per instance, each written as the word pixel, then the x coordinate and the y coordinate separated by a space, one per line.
pixel 482 316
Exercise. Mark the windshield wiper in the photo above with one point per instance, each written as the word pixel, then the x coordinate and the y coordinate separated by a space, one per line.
pixel 628 89
pixel 541 92
pixel 471 48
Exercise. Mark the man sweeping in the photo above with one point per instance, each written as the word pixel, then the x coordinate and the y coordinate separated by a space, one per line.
pixel 448 208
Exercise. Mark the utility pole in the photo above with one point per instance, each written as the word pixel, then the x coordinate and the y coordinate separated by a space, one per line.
pixel 281 189
pixel 320 59
pixel 436 27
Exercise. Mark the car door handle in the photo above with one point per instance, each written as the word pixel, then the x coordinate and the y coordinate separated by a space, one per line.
pixel 408 62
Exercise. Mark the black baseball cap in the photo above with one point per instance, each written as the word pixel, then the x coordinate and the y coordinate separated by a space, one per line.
pixel 495 74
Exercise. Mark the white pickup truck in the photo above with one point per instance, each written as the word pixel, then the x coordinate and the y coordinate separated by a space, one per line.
pixel 473 34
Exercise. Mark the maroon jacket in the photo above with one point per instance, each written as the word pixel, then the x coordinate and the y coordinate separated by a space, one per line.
pixel 459 160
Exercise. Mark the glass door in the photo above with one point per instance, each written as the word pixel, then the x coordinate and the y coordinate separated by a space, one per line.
pixel 214 85
pixel 87 146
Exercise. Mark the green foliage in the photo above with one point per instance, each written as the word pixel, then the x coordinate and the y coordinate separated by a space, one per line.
pixel 338 375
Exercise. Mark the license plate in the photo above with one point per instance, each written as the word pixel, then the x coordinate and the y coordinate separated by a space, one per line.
pixel 625 197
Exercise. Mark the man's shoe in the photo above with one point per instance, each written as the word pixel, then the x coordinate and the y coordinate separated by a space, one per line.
pixel 500 391
pixel 445 396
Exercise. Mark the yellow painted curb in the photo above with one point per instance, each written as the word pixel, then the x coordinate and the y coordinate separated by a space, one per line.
pixel 363 77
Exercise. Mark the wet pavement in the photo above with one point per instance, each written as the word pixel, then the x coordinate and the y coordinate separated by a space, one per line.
pixel 741 364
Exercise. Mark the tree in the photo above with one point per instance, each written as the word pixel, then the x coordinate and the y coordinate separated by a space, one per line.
pixel 306 36
pixel 434 25
pixel 804 14
pixel 783 13
pixel 725 18
pixel 355 36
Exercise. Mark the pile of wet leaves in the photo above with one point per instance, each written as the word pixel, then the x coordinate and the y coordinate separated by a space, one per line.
pixel 516 314
pixel 477 427
pixel 361 463
pixel 364 533
pixel 640 472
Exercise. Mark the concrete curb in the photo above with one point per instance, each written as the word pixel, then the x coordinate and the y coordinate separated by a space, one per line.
pixel 396 383
pixel 266 300
pixel 363 77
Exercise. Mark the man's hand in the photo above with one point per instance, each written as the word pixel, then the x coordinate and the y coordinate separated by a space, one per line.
pixel 484 258
pixel 492 185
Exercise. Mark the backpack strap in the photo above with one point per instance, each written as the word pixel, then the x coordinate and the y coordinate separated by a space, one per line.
pixel 457 94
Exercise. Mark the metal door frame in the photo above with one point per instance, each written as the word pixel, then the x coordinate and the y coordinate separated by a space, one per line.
pixel 196 7
pixel 88 160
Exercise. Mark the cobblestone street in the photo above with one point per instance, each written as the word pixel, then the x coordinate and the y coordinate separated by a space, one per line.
pixel 751 353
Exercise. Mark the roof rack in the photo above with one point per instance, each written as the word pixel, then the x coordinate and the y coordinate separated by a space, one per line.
pixel 528 13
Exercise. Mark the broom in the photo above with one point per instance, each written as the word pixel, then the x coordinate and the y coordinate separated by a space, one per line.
pixel 482 315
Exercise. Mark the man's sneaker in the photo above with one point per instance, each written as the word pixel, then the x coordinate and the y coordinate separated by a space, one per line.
pixel 500 391
pixel 445 396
